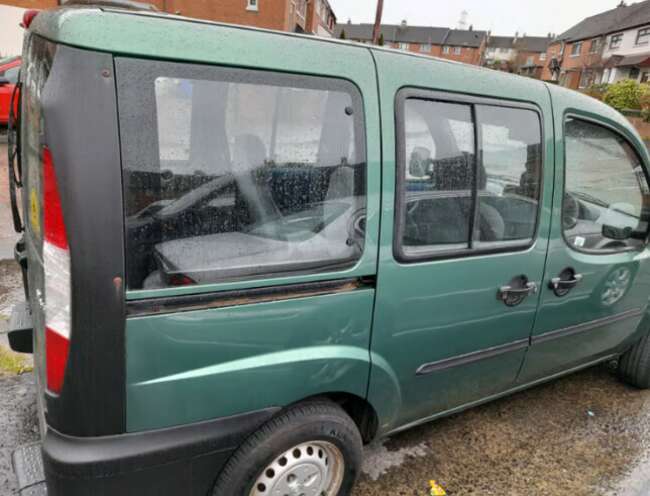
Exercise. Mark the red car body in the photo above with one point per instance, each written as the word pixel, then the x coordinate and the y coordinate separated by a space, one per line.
pixel 9 72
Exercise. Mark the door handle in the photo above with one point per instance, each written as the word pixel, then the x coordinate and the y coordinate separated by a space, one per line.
pixel 565 282
pixel 517 291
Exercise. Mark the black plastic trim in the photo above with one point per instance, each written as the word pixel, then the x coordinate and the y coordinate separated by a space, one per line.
pixel 81 130
pixel 586 326
pixel 179 460
pixel 186 303
pixel 412 92
pixel 476 356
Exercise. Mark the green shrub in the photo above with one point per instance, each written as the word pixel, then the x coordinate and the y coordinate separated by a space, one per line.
pixel 625 95
pixel 597 91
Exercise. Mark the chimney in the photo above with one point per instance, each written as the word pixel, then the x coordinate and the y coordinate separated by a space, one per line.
pixel 403 24
pixel 349 21
pixel 471 27
pixel 622 4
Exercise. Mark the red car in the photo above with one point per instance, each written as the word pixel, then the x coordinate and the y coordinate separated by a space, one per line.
pixel 9 69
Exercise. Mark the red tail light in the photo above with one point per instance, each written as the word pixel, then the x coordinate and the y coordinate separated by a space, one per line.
pixel 56 262
pixel 28 18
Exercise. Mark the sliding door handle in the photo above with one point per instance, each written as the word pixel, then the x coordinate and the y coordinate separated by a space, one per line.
pixel 566 281
pixel 517 291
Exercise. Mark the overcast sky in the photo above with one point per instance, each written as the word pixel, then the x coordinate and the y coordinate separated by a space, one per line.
pixel 503 17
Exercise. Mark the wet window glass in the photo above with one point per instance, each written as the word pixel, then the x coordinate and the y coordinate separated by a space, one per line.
pixel 452 198
pixel 244 176
pixel 437 181
pixel 606 199
pixel 509 177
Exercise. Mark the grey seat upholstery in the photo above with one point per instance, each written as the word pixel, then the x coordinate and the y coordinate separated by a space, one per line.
pixel 249 154
pixel 341 184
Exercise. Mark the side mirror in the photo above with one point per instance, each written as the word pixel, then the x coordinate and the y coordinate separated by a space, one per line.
pixel 4 81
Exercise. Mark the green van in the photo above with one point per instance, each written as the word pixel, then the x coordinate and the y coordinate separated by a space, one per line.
pixel 247 253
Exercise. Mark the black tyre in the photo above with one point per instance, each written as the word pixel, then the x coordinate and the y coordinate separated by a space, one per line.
pixel 311 449
pixel 634 366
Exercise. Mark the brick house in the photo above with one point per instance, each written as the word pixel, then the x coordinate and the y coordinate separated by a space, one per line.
pixel 466 46
pixel 522 55
pixel 304 16
pixel 531 55
pixel 314 17
pixel 607 47
pixel 454 44
pixel 321 19
pixel 500 53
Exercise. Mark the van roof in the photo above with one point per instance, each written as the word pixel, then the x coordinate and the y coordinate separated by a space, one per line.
pixel 142 33
pixel 86 26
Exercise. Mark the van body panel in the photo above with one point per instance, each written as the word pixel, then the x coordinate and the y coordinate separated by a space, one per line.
pixel 445 313
pixel 580 327
pixel 193 366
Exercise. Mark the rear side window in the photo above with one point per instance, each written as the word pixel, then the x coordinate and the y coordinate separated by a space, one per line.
pixel 469 177
pixel 606 198
pixel 233 174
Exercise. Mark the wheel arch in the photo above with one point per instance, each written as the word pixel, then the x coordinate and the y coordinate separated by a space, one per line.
pixel 360 410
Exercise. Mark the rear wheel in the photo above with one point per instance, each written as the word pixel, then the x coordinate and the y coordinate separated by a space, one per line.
pixel 634 366
pixel 311 449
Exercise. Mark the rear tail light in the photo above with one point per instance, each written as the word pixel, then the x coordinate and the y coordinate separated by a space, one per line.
pixel 56 262
pixel 28 17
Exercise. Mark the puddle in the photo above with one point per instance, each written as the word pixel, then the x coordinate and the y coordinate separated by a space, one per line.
pixel 637 483
pixel 378 460
pixel 11 284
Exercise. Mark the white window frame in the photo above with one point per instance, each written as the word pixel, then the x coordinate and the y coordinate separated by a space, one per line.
pixel 542 56
pixel 446 49
pixel 577 45
pixel 253 5
pixel 458 50
pixel 425 47
pixel 619 41
pixel 645 32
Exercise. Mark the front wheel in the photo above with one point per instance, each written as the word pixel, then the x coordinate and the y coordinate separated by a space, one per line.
pixel 634 366
pixel 311 449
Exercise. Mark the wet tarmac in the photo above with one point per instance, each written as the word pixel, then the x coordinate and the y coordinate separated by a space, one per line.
pixel 586 434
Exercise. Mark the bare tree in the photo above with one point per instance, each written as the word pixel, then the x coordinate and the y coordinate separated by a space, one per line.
pixel 377 31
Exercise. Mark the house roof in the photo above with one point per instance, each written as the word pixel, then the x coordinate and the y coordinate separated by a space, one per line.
pixel 398 33
pixel 618 19
pixel 462 37
pixel 537 44
pixel 501 42
pixel 641 60
pixel 394 33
